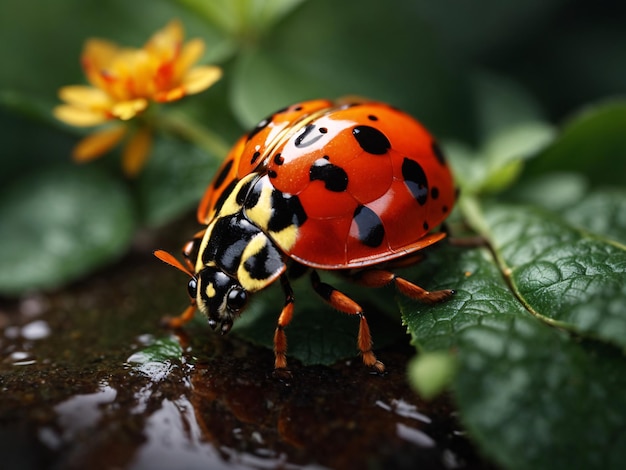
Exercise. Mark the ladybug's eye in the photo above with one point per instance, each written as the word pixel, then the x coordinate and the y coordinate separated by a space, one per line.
pixel 236 299
pixel 192 287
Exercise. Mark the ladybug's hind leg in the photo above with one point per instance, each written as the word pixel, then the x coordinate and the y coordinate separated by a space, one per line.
pixel 382 277
pixel 345 304
pixel 280 339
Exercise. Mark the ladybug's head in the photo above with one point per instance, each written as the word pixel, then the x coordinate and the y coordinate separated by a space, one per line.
pixel 219 296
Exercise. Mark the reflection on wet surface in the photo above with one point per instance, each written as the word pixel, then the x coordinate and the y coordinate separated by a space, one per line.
pixel 88 384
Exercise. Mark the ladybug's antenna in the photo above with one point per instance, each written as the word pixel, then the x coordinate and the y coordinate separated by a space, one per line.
pixel 169 259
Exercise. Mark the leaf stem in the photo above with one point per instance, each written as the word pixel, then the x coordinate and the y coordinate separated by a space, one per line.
pixel 182 125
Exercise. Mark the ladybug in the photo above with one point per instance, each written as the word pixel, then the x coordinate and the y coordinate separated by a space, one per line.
pixel 354 188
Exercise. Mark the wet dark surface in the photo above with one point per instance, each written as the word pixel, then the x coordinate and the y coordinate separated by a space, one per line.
pixel 78 390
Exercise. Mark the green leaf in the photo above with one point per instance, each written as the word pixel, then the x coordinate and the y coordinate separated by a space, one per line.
pixel 156 360
pixel 527 393
pixel 60 223
pixel 159 350
pixel 534 398
pixel 565 275
pixel 593 142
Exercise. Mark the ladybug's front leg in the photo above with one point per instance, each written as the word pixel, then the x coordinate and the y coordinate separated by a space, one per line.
pixel 345 304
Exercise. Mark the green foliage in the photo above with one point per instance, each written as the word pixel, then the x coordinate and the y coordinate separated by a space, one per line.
pixel 58 223
pixel 591 142
pixel 537 326
pixel 532 395
pixel 531 345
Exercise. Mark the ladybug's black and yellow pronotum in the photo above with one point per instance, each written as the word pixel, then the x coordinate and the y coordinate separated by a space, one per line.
pixel 354 188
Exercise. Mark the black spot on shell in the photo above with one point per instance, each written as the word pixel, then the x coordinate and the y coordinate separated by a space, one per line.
pixel 307 138
pixel 334 177
pixel 438 153
pixel 278 159
pixel 371 230
pixel 272 174
pixel 255 157
pixel 221 177
pixel 371 140
pixel 434 192
pixel 371 117
pixel 425 225
pixel 415 179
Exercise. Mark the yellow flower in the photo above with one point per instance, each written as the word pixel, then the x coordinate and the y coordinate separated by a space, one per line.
pixel 123 83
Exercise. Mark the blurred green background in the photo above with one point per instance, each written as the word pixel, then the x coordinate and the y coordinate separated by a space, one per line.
pixel 448 62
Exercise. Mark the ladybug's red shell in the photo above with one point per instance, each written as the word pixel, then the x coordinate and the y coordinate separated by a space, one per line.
pixel 370 180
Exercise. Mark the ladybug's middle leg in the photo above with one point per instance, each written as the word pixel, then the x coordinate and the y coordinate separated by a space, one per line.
pixel 345 304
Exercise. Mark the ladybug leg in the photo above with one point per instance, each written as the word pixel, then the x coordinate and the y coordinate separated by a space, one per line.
pixel 381 277
pixel 345 304
pixel 280 339
pixel 182 319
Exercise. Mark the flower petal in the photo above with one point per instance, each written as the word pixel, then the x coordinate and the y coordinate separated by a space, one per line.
pixel 85 96
pixel 168 96
pixel 98 143
pixel 136 152
pixel 191 53
pixel 126 110
pixel 80 117
pixel 165 43
pixel 99 52
pixel 200 78
pixel 97 57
